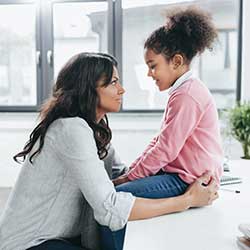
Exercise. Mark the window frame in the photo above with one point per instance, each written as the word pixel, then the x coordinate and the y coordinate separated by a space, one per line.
pixel 44 44
pixel 48 46
pixel 118 54
pixel 29 108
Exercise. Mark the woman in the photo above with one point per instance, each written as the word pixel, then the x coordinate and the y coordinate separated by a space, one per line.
pixel 63 178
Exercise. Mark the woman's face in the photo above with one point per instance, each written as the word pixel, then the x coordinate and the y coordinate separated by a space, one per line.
pixel 110 96
pixel 162 71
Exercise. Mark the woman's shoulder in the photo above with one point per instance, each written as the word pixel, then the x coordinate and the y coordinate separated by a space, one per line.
pixel 69 127
pixel 71 136
pixel 69 123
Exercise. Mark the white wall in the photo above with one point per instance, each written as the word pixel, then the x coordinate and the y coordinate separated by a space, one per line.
pixel 14 131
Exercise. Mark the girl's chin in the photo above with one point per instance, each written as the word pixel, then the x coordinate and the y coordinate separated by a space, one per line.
pixel 162 88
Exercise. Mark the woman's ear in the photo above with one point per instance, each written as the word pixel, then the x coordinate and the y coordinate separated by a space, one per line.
pixel 177 60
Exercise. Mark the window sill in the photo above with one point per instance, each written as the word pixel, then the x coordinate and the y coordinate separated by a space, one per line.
pixel 118 121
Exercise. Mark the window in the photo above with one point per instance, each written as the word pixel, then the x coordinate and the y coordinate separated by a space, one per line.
pixel 86 30
pixel 18 74
pixel 38 37
pixel 218 69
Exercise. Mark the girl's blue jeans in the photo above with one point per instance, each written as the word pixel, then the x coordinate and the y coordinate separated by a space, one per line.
pixel 162 185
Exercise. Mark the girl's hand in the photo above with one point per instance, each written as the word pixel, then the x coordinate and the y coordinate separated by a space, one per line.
pixel 203 191
pixel 120 180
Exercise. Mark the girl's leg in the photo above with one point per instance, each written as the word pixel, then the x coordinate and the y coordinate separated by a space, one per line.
pixel 162 185
pixel 57 245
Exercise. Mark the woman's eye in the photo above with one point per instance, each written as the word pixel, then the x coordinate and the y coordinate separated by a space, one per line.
pixel 152 66
pixel 114 82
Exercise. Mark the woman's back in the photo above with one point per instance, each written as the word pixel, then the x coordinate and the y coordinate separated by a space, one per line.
pixel 51 196
pixel 46 201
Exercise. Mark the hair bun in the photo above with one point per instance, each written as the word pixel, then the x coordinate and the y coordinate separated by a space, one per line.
pixel 187 32
pixel 193 24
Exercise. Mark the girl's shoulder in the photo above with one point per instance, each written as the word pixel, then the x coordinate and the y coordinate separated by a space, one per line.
pixel 193 89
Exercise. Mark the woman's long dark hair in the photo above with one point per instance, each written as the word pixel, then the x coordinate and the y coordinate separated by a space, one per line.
pixel 75 95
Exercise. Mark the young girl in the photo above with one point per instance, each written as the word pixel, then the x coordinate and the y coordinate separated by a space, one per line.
pixel 189 140
pixel 64 182
pixel 188 143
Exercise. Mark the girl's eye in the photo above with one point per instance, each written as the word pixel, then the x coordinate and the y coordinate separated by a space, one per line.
pixel 152 66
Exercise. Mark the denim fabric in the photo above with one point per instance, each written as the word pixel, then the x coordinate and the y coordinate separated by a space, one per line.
pixel 112 240
pixel 162 185
pixel 70 244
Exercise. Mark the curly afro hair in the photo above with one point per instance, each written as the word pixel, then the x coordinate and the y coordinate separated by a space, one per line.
pixel 187 32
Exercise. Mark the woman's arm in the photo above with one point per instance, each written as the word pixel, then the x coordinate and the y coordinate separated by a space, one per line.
pixel 197 195
pixel 77 152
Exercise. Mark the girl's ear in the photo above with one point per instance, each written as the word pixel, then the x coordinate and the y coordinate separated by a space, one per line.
pixel 177 60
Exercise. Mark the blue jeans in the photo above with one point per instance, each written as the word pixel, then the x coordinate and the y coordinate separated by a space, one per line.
pixel 162 185
pixel 67 244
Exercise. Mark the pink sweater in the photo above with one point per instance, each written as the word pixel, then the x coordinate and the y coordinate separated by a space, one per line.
pixel 189 141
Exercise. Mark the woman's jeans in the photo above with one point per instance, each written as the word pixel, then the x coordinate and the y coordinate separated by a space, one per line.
pixel 56 244
pixel 162 185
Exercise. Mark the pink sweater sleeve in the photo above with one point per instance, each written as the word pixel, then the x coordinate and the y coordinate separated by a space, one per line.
pixel 182 116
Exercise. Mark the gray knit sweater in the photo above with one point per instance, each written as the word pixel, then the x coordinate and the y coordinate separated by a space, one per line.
pixel 63 191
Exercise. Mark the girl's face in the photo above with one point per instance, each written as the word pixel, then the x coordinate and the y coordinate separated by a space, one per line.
pixel 164 73
pixel 110 96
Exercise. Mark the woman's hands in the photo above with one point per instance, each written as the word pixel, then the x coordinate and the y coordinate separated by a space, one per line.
pixel 120 180
pixel 202 192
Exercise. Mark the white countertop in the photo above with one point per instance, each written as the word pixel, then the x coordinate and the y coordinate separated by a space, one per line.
pixel 209 228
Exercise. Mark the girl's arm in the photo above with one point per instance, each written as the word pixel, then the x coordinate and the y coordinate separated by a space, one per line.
pixel 182 117
pixel 197 195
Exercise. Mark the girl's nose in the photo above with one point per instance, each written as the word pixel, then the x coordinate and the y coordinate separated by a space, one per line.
pixel 150 74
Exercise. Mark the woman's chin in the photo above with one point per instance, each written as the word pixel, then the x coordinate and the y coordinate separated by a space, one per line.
pixel 115 109
pixel 118 109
